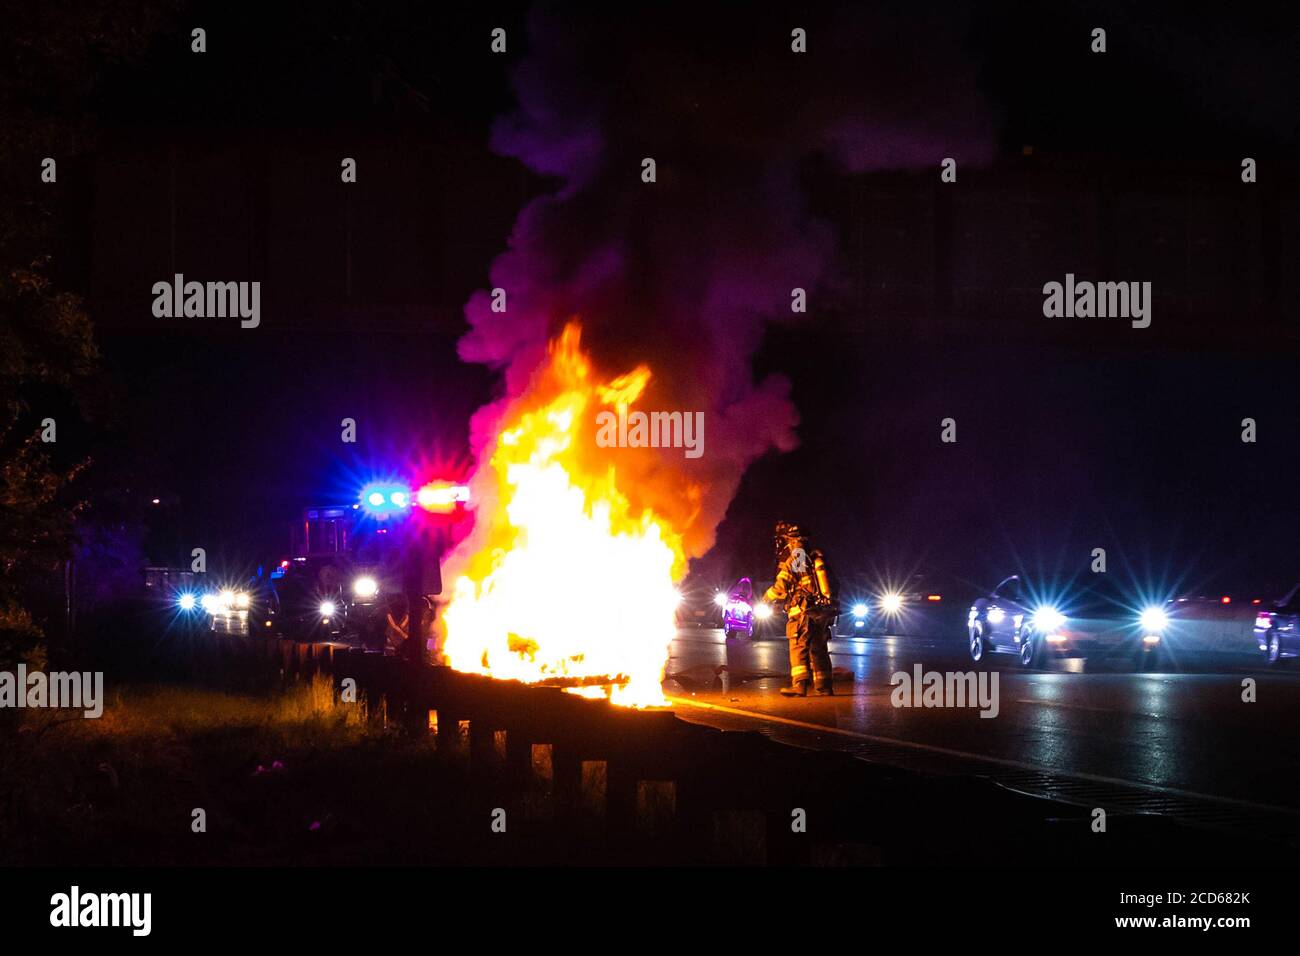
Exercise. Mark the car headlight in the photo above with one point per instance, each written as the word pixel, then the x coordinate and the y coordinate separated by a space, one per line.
pixel 859 610
pixel 327 609
pixel 1048 619
pixel 365 586
pixel 996 615
pixel 720 599
pixel 1153 620
pixel 241 599
pixel 226 599
pixel 208 602
pixel 186 602
pixel 762 611
pixel 891 603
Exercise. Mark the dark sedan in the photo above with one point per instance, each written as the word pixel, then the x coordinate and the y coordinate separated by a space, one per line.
pixel 1278 629
pixel 1098 620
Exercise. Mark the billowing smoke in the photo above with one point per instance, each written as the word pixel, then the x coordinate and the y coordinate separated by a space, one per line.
pixel 682 274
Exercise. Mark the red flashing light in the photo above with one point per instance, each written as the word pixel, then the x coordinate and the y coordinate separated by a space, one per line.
pixel 441 497
pixel 1225 600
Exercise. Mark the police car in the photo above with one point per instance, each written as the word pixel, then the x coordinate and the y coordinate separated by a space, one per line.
pixel 742 614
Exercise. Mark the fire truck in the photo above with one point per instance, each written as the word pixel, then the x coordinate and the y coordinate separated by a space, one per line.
pixel 353 568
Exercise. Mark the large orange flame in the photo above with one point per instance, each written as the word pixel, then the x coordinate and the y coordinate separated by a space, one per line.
pixel 572 583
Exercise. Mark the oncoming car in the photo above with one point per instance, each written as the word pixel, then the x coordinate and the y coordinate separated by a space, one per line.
pixel 698 607
pixel 912 608
pixel 853 619
pixel 1099 620
pixel 232 610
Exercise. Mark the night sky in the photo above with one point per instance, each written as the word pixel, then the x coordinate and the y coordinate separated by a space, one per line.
pixel 925 297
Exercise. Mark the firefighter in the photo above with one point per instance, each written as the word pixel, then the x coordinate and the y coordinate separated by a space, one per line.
pixel 803 586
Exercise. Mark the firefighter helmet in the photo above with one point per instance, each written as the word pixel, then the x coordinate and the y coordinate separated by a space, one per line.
pixel 788 536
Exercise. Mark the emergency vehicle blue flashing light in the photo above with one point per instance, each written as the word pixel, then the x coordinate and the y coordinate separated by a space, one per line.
pixel 385 498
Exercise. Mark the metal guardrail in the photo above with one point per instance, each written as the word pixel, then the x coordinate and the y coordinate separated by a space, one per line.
pixel 678 791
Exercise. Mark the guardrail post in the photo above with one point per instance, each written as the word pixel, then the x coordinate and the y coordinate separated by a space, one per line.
pixel 656 805
pixel 740 837
pixel 595 787
pixel 540 798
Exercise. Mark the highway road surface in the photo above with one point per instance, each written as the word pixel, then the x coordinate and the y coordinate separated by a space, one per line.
pixel 1183 743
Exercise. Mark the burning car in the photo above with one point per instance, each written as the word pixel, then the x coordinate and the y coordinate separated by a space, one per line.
pixel 550 502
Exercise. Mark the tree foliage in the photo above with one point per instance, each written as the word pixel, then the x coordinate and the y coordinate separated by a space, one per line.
pixel 56 57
